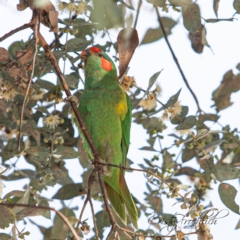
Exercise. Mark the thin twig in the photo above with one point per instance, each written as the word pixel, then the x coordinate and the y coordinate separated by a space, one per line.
pixel 138 11
pixel 24 26
pixel 139 170
pixel 88 199
pixel 176 60
pixel 66 221
pixel 36 28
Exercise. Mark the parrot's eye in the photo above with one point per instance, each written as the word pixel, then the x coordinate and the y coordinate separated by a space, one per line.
pixel 100 54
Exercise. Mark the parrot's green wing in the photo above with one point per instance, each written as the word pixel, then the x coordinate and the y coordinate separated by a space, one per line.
pixel 121 197
pixel 126 126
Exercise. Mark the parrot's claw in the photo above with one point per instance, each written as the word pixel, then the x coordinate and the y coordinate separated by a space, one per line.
pixel 72 99
pixel 105 168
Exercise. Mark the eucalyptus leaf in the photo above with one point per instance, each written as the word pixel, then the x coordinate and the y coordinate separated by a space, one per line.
pixel 155 34
pixel 191 17
pixel 236 5
pixel 227 194
pixel 76 44
pixel 7 214
pixel 210 147
pixel 70 191
pixel 152 80
pixel 4 236
pixel 72 80
pixel 188 123
pixel 23 200
pixel 172 100
pixel 167 161
pixel 159 3
pixel 66 152
pixel 181 116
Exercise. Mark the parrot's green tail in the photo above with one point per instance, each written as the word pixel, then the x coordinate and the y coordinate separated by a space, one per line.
pixel 123 201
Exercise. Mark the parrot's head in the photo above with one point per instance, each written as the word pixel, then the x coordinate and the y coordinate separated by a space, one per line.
pixel 97 66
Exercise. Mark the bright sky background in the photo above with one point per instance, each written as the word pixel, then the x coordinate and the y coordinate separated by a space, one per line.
pixel 203 71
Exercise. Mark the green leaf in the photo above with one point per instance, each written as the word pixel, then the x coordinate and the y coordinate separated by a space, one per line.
pixel 172 100
pixel 229 85
pixel 148 148
pixel 70 191
pixel 60 229
pixel 11 149
pixel 180 2
pixel 76 44
pixel 34 211
pixel 227 194
pixel 16 46
pixel 204 39
pixel 95 187
pixel 188 154
pixel 186 171
pixel 225 172
pixel 168 219
pixel 154 34
pixel 191 17
pixel 23 200
pixel 188 123
pixel 236 5
pixel 155 203
pixel 213 20
pixel 183 114
pixel 14 193
pixel 4 236
pixel 66 152
pixel 150 124
pixel 152 80
pixel 221 171
pixel 103 221
pixel 39 151
pixel 7 217
pixel 197 39
pixel 107 14
pixel 83 28
pixel 42 110
pixel 209 117
pixel 167 161
pixel 211 147
pixel 159 3
pixel 45 84
pixel 72 80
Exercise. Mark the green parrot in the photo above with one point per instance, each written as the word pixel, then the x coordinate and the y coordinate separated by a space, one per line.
pixel 106 111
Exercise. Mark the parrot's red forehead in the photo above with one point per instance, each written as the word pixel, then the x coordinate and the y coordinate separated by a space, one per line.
pixel 106 65
pixel 95 49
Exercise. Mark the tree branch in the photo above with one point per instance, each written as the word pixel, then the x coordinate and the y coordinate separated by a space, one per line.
pixel 176 60
pixel 24 26
pixel 88 199
pixel 139 170
pixel 46 208
pixel 138 11
pixel 36 29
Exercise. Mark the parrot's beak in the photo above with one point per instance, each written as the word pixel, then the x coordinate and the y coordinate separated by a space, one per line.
pixel 84 55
